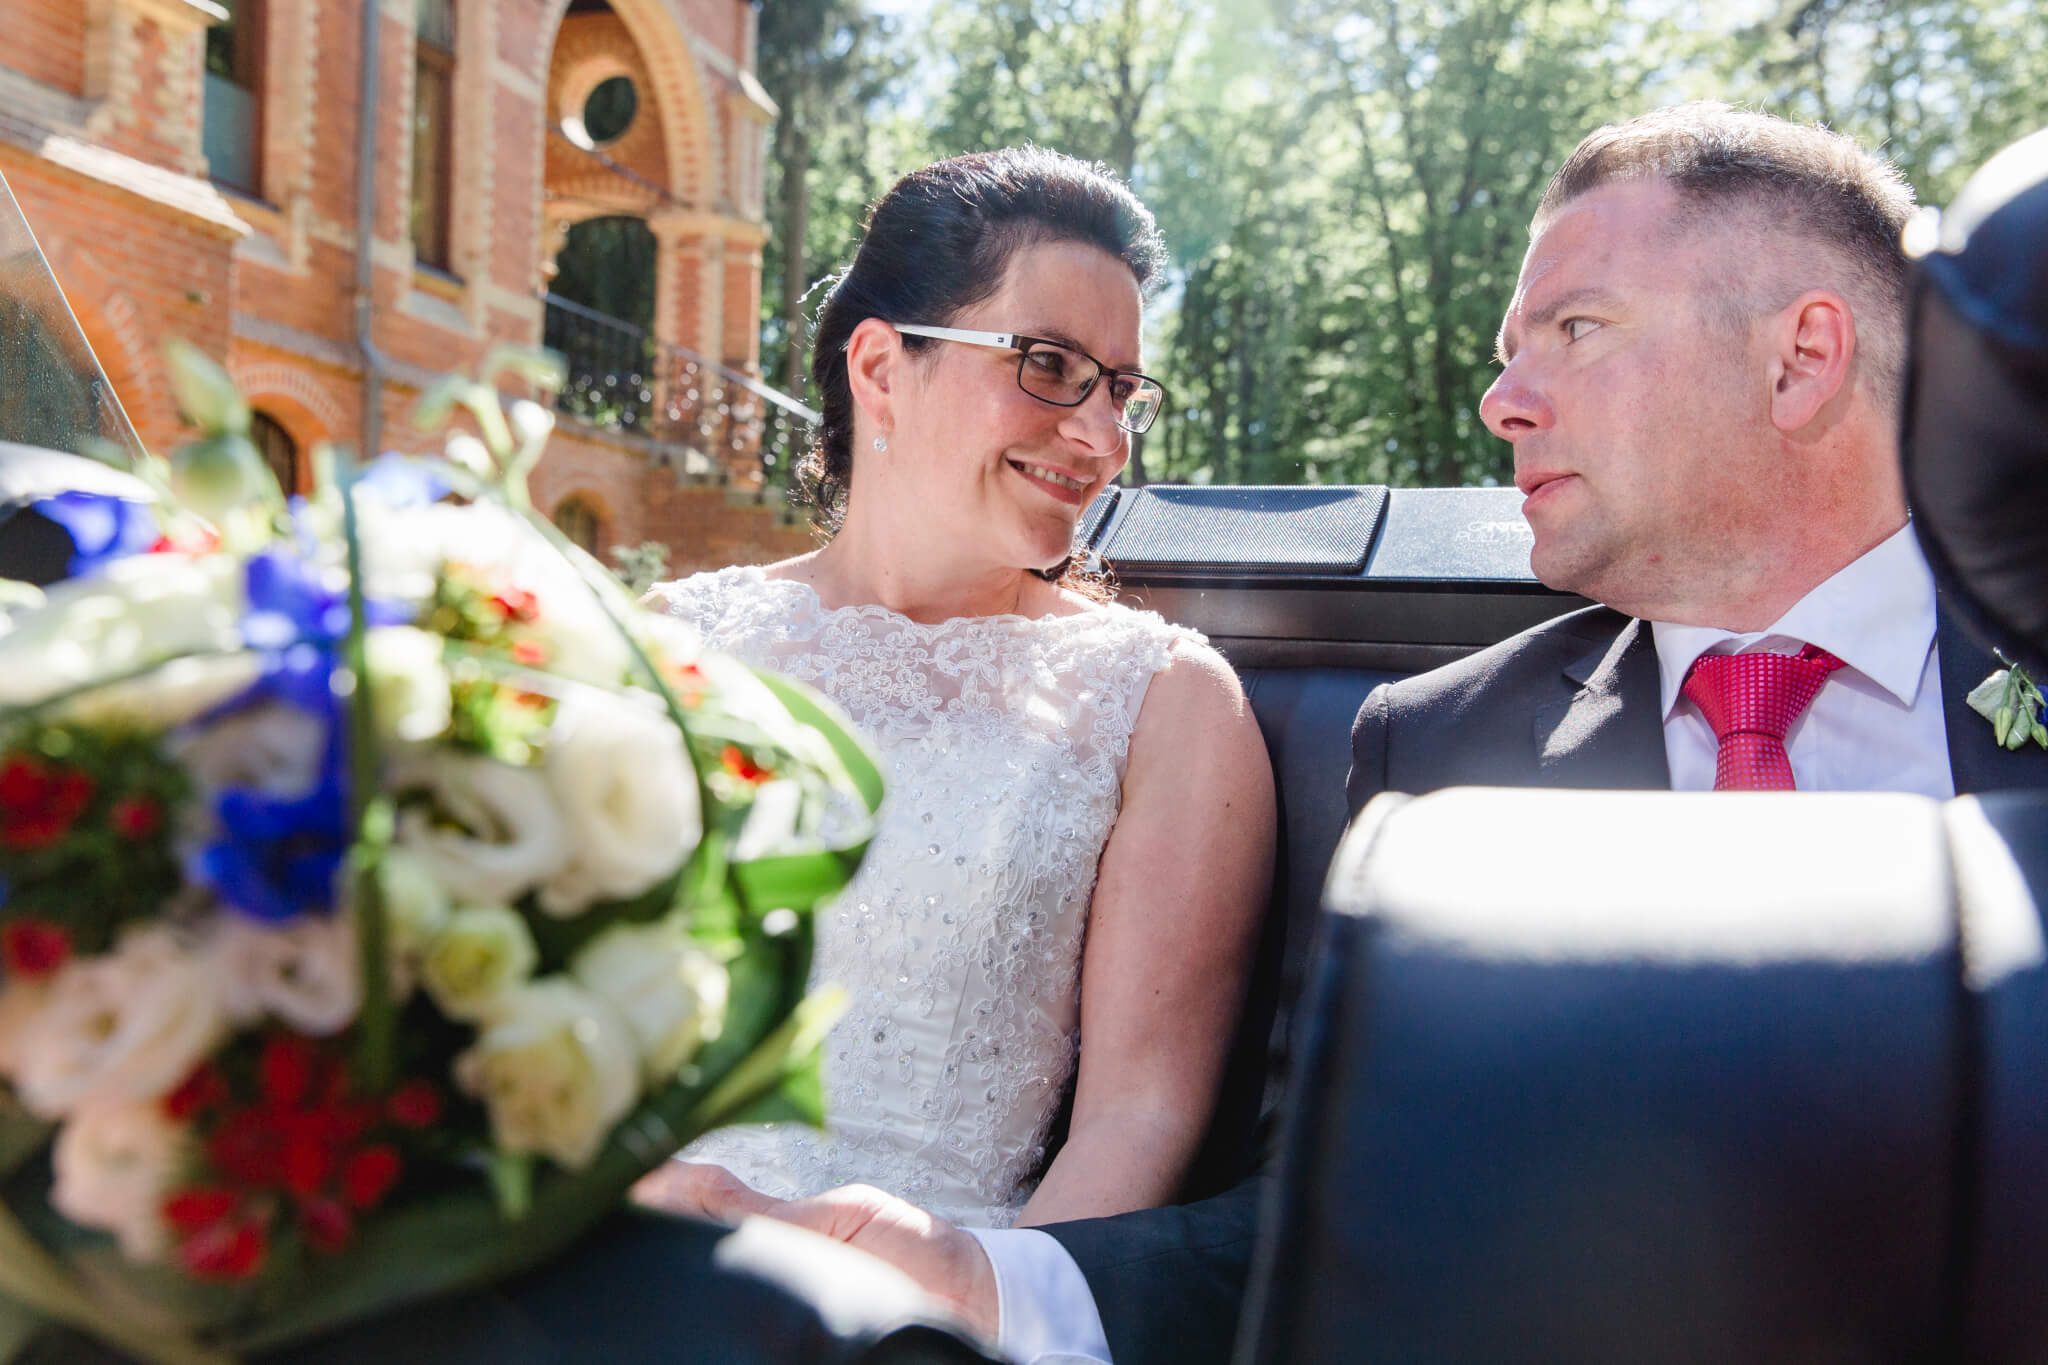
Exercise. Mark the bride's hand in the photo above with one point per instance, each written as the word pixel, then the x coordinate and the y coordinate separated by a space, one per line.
pixel 945 1262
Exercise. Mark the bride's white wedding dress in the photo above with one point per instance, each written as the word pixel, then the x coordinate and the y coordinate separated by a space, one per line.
pixel 959 943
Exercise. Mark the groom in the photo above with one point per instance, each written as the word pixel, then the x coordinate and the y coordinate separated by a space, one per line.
pixel 1701 379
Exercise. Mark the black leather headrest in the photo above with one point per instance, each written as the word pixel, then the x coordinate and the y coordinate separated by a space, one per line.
pixel 1975 443
pixel 1592 1077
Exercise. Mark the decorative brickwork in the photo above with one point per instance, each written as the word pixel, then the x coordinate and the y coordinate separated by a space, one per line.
pixel 101 103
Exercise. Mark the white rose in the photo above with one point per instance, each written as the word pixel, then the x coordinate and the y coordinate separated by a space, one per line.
pixel 127 1025
pixel 171 695
pixel 625 790
pixel 20 1001
pixel 671 991
pixel 273 748
pixel 408 686
pixel 113 1163
pixel 409 545
pixel 507 835
pixel 307 972
pixel 477 959
pixel 130 614
pixel 556 1071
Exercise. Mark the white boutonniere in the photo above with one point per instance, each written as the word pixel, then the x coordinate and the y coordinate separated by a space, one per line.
pixel 2012 702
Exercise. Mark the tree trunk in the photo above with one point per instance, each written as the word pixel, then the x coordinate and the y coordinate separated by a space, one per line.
pixel 796 163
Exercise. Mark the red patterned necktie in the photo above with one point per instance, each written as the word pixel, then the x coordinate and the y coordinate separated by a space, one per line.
pixel 1751 700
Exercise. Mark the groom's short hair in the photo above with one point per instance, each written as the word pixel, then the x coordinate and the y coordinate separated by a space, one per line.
pixel 1735 167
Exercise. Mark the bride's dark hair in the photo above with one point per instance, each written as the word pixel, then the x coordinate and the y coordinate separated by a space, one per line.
pixel 938 242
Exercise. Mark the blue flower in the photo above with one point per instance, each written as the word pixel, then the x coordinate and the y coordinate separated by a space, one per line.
pixel 402 481
pixel 101 528
pixel 277 856
pixel 289 602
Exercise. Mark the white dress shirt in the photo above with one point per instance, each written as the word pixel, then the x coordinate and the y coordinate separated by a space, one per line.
pixel 1876 725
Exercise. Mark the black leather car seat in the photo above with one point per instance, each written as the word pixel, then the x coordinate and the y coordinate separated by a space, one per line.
pixel 1743 1078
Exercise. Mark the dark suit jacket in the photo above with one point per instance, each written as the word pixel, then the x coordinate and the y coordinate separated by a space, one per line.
pixel 1574 702
pixel 1570 703
pixel 640 1287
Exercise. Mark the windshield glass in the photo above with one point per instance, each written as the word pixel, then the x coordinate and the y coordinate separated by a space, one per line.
pixel 53 392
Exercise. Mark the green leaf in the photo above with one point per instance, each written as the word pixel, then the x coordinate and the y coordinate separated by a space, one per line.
pixel 537 365
pixel 1987 696
pixel 37 1283
pixel 22 1135
pixel 798 881
pixel 799 1099
pixel 437 404
pixel 18 1328
pixel 779 1058
pixel 858 758
pixel 205 392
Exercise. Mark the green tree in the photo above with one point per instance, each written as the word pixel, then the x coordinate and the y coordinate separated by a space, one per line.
pixel 1937 87
pixel 827 64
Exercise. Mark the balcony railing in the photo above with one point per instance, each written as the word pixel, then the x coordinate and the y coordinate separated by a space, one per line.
pixel 620 376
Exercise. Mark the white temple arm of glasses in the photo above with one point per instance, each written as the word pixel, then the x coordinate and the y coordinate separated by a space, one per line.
pixel 1005 340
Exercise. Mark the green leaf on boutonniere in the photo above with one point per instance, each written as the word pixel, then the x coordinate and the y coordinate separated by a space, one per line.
pixel 2013 703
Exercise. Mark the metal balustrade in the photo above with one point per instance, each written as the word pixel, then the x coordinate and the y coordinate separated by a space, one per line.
pixel 707 418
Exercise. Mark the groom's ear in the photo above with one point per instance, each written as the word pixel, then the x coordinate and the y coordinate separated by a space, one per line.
pixel 1813 344
pixel 874 364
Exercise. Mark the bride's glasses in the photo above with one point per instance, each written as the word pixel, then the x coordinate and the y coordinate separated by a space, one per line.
pixel 1063 375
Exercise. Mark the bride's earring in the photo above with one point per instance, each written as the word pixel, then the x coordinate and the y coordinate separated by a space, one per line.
pixel 881 443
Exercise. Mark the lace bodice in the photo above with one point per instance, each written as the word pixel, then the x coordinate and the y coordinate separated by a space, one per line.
pixel 1003 740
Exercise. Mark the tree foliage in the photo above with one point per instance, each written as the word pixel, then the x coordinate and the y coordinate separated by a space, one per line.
pixel 1346 188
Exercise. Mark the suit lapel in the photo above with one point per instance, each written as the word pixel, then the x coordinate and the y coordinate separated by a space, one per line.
pixel 1604 730
pixel 1975 760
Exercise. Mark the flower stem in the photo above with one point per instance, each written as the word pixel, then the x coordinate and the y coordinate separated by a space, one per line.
pixel 370 816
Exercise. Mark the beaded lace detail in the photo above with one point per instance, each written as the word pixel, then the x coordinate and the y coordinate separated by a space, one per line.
pixel 1003 740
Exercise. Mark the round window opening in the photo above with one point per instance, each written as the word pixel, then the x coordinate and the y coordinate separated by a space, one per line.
pixel 609 111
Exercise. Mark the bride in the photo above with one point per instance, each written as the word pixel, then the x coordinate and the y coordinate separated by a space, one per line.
pixel 1079 824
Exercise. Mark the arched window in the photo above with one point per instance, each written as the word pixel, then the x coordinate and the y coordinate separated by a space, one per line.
pixel 433 131
pixel 278 449
pixel 579 521
pixel 231 117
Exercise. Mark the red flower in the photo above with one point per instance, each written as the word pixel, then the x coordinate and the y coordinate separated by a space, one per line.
pixel 689 683
pixel 740 765
pixel 326 1224
pixel 231 1249
pixel 201 1090
pixel 31 947
pixel 369 1175
pixel 286 1069
pixel 532 653
pixel 200 1207
pixel 39 802
pixel 136 817
pixel 416 1104
pixel 516 604
pixel 296 1147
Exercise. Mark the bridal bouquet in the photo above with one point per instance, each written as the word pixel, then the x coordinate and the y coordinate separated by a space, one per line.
pixel 381 894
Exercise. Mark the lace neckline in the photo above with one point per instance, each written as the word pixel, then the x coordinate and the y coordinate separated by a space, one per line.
pixel 806 595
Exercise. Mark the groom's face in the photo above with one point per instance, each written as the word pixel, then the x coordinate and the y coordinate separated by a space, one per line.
pixel 1630 401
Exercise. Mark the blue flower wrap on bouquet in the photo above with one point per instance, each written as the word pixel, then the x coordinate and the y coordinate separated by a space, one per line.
pixel 381 894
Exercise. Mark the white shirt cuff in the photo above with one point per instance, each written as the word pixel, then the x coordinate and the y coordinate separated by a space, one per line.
pixel 1045 1314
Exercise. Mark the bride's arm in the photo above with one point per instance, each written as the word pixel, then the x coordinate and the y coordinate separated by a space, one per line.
pixel 1183 880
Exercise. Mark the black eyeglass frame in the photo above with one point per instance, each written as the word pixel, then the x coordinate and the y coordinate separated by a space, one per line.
pixel 1023 344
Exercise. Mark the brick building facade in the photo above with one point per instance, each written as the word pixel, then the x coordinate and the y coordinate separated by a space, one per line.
pixel 190 167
